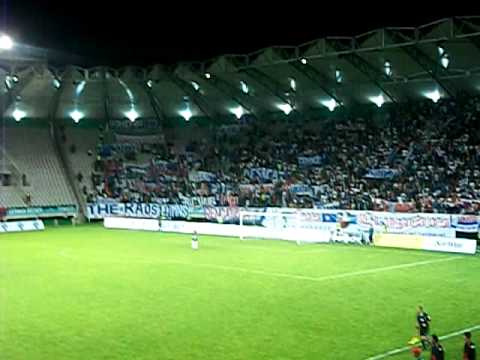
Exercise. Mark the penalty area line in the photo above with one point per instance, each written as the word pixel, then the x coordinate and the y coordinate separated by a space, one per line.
pixel 406 348
pixel 313 278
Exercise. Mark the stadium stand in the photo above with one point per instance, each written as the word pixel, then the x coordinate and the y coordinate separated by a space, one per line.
pixel 33 152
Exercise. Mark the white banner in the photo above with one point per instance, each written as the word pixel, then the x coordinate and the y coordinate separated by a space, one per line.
pixel 131 223
pixel 18 226
pixel 140 210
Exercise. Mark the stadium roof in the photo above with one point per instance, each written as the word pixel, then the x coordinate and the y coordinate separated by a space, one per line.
pixel 440 59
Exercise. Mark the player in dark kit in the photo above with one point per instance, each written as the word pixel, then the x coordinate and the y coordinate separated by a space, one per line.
pixel 438 352
pixel 469 351
pixel 423 325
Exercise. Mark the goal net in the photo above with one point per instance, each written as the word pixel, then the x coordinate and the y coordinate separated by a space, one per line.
pixel 282 225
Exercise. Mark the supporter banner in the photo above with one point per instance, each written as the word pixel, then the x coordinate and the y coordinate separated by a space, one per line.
pixel 381 174
pixel 222 214
pixel 19 226
pixel 465 223
pixel 139 139
pixel 306 161
pixel 415 224
pixel 41 211
pixel 200 176
pixel 301 189
pixel 140 210
pixel 198 201
pixel 264 174
pixel 139 126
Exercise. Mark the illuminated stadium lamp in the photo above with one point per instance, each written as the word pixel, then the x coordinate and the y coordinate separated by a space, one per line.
pixel 286 108
pixel 76 116
pixel 388 68
pixel 377 100
pixel 186 114
pixel 303 61
pixel 433 95
pixel 150 83
pixel 330 104
pixel 245 88
pixel 208 75
pixel 6 42
pixel 18 115
pixel 56 83
pixel 445 61
pixel 338 76
pixel 237 111
pixel 195 85
pixel 441 51
pixel 80 88
pixel 293 84
pixel 131 115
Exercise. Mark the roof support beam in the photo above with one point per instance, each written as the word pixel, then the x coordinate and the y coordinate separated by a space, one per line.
pixel 224 87
pixel 157 109
pixel 268 84
pixel 375 76
pixel 430 66
pixel 106 97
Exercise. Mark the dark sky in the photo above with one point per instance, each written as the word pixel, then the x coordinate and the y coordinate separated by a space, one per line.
pixel 138 32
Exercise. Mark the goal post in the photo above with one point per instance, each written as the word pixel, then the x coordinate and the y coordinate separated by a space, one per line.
pixel 281 225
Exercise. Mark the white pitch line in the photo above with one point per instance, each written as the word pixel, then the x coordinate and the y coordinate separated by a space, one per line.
pixel 406 348
pixel 321 278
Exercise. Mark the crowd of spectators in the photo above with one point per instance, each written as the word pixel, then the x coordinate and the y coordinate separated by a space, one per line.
pixel 413 157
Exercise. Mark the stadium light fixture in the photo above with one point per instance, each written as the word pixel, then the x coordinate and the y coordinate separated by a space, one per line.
pixel 433 95
pixel 56 83
pixel 76 116
pixel 131 115
pixel 237 111
pixel 330 104
pixel 338 76
pixel 80 88
pixel 244 86
pixel 208 75
pixel 186 114
pixel 150 83
pixel 445 61
pixel 441 50
pixel 18 115
pixel 293 84
pixel 304 61
pixel 388 68
pixel 286 108
pixel 195 85
pixel 6 42
pixel 377 100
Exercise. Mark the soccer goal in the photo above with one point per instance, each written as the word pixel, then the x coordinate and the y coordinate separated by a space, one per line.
pixel 282 225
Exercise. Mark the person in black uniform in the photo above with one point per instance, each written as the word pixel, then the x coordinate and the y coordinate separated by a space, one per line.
pixel 423 325
pixel 469 351
pixel 438 352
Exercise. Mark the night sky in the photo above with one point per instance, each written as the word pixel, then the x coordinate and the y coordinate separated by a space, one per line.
pixel 147 32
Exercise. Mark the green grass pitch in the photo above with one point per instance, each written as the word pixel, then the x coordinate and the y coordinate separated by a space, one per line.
pixel 90 293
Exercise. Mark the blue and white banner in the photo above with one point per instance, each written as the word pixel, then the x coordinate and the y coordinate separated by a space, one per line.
pixel 306 161
pixel 264 174
pixel 19 226
pixel 140 210
pixel 201 176
pixel 465 223
pixel 301 189
pixel 381 174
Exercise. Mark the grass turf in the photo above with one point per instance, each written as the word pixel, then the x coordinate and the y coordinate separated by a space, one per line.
pixel 91 293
